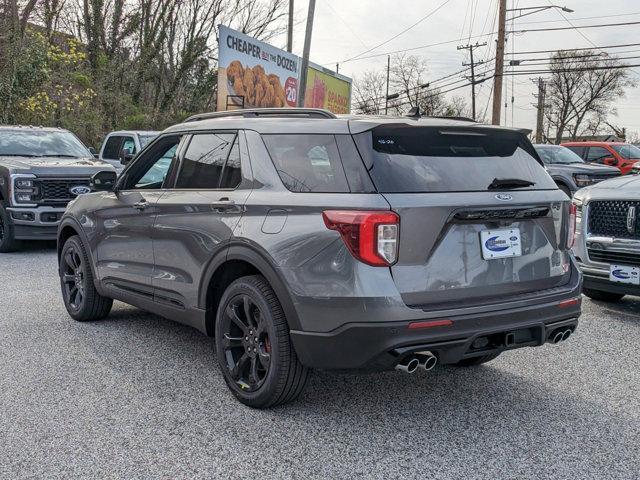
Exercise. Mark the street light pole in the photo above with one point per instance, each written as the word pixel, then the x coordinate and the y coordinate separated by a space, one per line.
pixel 499 69
pixel 290 28
pixel 305 53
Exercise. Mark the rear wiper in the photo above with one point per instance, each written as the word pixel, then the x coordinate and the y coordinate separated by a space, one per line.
pixel 509 183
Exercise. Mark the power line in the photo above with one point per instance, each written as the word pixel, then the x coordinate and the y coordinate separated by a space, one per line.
pixel 577 49
pixel 580 18
pixel 575 27
pixel 432 12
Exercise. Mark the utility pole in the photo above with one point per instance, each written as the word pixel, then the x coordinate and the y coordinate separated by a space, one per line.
pixel 305 53
pixel 386 97
pixel 472 64
pixel 290 28
pixel 497 78
pixel 542 90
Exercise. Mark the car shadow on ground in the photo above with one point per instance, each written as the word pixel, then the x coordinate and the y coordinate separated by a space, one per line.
pixel 629 306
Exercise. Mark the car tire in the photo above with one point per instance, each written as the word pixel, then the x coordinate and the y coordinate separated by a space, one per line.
pixel 475 361
pixel 81 299
pixel 8 243
pixel 253 346
pixel 602 296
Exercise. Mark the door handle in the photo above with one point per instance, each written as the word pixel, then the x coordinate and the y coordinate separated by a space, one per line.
pixel 223 204
pixel 140 205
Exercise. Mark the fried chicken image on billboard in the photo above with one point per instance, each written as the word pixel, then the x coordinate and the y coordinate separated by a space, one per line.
pixel 257 88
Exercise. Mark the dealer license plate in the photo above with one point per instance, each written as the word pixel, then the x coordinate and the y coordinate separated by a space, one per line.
pixel 624 274
pixel 500 243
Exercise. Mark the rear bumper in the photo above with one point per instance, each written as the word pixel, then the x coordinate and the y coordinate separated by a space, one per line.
pixel 381 346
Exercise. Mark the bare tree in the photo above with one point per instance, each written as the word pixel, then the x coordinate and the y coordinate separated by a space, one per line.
pixel 369 92
pixel 581 90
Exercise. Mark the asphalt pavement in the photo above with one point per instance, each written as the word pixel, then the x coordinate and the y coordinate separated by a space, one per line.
pixel 137 396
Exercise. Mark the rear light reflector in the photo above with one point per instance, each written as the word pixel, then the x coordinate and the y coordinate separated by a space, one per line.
pixel 569 303
pixel 370 236
pixel 571 230
pixel 430 324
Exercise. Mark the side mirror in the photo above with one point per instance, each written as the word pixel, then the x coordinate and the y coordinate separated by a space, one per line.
pixel 103 181
pixel 610 161
pixel 125 156
pixel 93 152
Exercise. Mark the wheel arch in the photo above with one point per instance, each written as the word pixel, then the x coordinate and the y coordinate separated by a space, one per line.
pixel 69 227
pixel 235 262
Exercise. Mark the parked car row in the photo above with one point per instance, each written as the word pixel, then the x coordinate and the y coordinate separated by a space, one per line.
pixel 301 240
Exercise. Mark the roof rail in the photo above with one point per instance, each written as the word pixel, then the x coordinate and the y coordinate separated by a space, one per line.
pixel 265 112
pixel 462 119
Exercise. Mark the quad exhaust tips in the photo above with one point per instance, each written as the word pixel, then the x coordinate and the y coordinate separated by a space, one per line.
pixel 561 335
pixel 424 360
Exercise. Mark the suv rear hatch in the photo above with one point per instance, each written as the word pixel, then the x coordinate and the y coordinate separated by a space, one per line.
pixel 480 219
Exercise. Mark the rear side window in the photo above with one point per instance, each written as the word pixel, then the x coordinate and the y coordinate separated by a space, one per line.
pixel 407 159
pixel 598 154
pixel 112 148
pixel 204 161
pixel 308 163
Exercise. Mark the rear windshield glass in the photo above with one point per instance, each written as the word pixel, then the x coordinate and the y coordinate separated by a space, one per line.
pixel 406 159
pixel 627 151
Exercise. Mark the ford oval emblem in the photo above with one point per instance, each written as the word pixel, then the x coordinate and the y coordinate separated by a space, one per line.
pixel 504 197
pixel 79 189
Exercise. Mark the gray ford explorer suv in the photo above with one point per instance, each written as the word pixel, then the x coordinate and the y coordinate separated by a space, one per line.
pixel 302 240
pixel 41 170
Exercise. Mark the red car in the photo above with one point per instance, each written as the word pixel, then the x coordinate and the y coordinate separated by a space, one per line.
pixel 615 154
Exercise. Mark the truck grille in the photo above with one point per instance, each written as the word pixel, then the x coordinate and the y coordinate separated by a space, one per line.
pixel 608 256
pixel 609 218
pixel 58 190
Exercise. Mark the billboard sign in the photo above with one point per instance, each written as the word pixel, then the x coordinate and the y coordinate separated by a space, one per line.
pixel 327 89
pixel 252 73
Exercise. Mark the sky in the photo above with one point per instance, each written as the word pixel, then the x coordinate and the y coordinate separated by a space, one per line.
pixel 346 28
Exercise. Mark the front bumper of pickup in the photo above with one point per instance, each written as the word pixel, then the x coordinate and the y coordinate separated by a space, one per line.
pixel 598 279
pixel 35 223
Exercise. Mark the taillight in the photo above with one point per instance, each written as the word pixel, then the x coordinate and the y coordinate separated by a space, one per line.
pixel 571 230
pixel 371 237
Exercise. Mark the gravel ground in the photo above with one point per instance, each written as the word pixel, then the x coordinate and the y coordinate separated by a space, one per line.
pixel 137 396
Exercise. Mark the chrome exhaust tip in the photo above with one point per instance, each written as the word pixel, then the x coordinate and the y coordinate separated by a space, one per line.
pixel 558 337
pixel 408 365
pixel 567 333
pixel 427 360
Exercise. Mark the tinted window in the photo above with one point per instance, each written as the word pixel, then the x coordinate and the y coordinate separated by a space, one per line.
pixel 129 145
pixel 425 159
pixel 204 161
pixel 231 175
pixel 307 163
pixel 149 170
pixel 598 154
pixel 157 173
pixel 112 148
pixel 41 143
pixel 577 150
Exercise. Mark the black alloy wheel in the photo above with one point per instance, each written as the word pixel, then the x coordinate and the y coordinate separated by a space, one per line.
pixel 247 348
pixel 253 345
pixel 81 299
pixel 73 277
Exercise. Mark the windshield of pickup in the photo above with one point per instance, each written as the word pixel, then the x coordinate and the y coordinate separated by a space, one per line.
pixel 558 155
pixel 41 143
